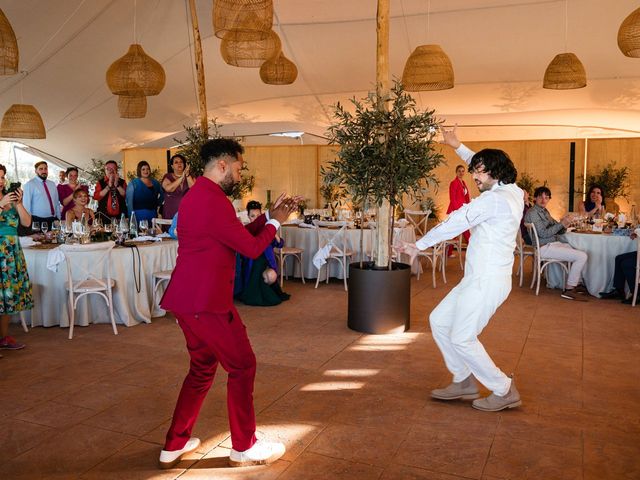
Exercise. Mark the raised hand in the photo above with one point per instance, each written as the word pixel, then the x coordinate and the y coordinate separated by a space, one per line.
pixel 283 209
pixel 9 198
pixel 449 137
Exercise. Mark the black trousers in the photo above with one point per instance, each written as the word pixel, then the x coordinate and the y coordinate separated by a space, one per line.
pixel 625 271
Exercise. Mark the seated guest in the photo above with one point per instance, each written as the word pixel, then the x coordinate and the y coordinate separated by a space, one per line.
pixel 175 185
pixel 551 245
pixel 144 194
pixel 594 204
pixel 256 280
pixel 80 202
pixel 66 190
pixel 625 272
pixel 110 192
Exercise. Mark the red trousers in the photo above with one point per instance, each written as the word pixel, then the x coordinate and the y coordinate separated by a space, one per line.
pixel 213 338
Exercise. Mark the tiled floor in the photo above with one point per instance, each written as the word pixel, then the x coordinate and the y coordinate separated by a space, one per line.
pixel 348 406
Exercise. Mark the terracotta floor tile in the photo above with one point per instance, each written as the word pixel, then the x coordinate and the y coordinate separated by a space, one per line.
pixel 55 414
pixel 404 472
pixel 311 466
pixel 510 458
pixel 99 396
pixel 215 465
pixel 17 437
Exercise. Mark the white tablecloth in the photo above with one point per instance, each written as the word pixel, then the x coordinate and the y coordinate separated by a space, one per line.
pixel 602 250
pixel 307 239
pixel 130 307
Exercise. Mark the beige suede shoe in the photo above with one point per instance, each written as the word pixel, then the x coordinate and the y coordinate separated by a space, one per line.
pixel 464 390
pixel 495 403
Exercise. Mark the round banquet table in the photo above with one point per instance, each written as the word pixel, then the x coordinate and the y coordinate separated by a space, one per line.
pixel 307 239
pixel 601 249
pixel 130 306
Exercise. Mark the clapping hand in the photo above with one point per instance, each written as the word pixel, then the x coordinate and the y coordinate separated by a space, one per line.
pixel 283 207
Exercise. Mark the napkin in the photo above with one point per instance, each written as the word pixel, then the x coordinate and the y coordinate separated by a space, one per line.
pixel 54 258
pixel 27 242
pixel 145 238
pixel 320 258
pixel 306 225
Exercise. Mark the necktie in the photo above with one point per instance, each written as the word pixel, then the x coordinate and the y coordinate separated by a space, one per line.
pixel 46 189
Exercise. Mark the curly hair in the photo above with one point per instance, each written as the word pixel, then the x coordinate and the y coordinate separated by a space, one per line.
pixel 496 163
pixel 253 205
pixel 217 148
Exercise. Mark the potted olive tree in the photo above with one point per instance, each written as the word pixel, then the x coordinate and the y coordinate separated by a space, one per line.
pixel 384 154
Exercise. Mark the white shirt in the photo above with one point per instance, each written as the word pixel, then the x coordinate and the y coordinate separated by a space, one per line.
pixel 493 218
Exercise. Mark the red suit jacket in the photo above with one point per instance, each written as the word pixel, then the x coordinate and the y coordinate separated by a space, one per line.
pixel 458 195
pixel 210 235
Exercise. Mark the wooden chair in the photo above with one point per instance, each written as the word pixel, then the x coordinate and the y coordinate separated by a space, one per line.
pixel 539 263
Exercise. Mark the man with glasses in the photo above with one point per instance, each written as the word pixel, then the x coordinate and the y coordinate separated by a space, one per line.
pixel 493 219
pixel 40 197
pixel 110 192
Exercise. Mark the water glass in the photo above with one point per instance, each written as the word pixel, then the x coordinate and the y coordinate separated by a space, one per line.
pixel 144 226
pixel 44 227
pixel 35 227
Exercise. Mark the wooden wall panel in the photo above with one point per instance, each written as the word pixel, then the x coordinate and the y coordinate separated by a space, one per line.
pixel 156 157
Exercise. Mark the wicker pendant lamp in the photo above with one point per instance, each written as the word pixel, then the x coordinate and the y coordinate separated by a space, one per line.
pixel 22 121
pixel 629 35
pixel 136 74
pixel 565 72
pixel 247 15
pixel 279 71
pixel 132 107
pixel 9 55
pixel 428 68
pixel 241 48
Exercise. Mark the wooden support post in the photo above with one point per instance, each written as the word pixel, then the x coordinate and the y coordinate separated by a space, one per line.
pixel 202 92
pixel 383 216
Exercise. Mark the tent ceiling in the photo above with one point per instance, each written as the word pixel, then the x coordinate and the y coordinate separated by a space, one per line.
pixel 499 50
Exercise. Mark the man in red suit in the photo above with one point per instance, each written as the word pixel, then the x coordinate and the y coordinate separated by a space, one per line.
pixel 200 295
pixel 458 196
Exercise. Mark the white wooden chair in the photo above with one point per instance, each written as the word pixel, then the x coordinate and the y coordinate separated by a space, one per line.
pixel 635 289
pixel 160 221
pixel 82 282
pixel 336 241
pixel 457 244
pixel 159 278
pixel 419 219
pixel 433 255
pixel 285 252
pixel 539 263
pixel 523 251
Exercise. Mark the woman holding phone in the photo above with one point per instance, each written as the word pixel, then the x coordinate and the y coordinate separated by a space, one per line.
pixel 15 288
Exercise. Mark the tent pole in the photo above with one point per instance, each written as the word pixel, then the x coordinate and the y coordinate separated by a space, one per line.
pixel 202 93
pixel 383 216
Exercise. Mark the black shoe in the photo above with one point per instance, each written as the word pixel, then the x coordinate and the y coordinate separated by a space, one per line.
pixel 628 301
pixel 613 294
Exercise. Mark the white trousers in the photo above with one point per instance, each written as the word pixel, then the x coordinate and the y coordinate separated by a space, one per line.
pixel 565 252
pixel 458 320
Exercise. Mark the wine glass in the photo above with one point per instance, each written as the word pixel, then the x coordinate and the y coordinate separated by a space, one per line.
pixel 44 227
pixel 144 226
pixel 35 227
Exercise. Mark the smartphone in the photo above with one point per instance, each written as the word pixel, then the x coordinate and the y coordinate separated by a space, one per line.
pixel 13 187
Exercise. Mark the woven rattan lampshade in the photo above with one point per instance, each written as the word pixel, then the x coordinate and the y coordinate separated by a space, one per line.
pixel 136 74
pixel 279 71
pixel 428 68
pixel 629 35
pixel 132 107
pixel 247 15
pixel 241 48
pixel 8 47
pixel 22 121
pixel 565 72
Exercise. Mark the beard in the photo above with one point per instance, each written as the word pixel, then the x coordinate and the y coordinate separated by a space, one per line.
pixel 43 176
pixel 228 183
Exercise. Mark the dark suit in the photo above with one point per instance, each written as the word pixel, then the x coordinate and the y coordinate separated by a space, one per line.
pixel 200 294
pixel 625 271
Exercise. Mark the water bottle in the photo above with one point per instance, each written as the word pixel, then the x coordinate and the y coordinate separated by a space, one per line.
pixel 133 226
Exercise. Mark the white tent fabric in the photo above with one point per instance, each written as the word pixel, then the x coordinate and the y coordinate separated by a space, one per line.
pixel 499 50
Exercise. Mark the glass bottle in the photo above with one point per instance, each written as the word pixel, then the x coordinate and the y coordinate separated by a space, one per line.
pixel 133 226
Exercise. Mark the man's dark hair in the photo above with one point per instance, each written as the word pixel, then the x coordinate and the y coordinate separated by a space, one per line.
pixel 540 191
pixel 141 163
pixel 496 163
pixel 71 169
pixel 253 205
pixel 41 162
pixel 217 148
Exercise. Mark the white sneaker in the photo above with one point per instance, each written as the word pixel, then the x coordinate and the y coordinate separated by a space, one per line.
pixel 262 453
pixel 169 458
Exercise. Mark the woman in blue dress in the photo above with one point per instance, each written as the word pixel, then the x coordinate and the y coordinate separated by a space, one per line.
pixel 144 194
pixel 15 288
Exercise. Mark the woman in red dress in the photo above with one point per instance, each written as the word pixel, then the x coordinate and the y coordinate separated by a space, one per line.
pixel 458 196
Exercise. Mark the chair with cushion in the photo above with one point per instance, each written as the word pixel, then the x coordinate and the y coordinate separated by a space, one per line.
pixel 82 282
pixel 334 244
pixel 539 263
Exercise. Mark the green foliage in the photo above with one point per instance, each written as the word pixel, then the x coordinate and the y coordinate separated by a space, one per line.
pixel 383 154
pixel 155 173
pixel 428 203
pixel 195 138
pixel 527 183
pixel 614 181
